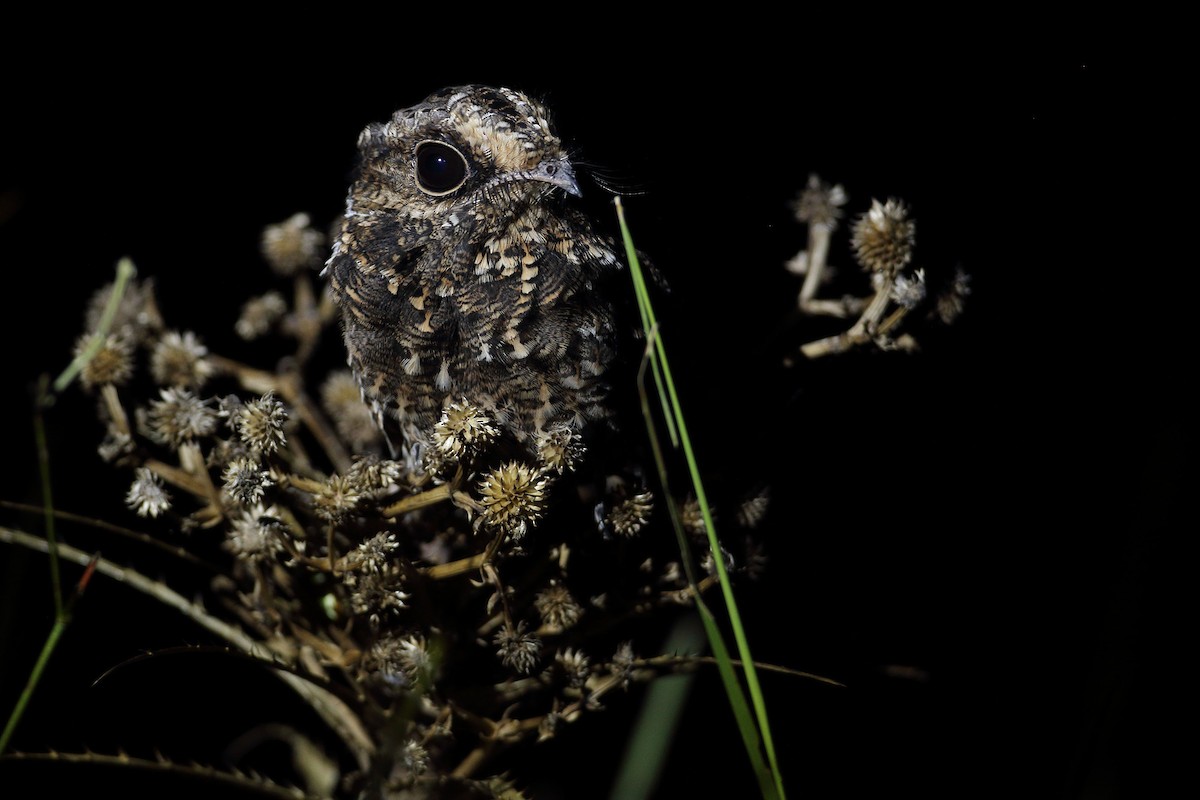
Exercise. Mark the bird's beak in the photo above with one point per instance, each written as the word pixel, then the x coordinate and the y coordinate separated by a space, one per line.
pixel 557 172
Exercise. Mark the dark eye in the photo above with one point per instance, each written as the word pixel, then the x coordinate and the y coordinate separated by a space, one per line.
pixel 440 168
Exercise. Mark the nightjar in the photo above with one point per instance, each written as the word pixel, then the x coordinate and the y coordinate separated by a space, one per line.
pixel 462 274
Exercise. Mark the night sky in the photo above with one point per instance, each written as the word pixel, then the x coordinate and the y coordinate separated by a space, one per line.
pixel 979 539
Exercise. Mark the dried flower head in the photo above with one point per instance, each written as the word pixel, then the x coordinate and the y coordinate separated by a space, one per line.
pixel 374 554
pixel 178 417
pixel 513 498
pixel 179 360
pixel 622 663
pixel 574 665
pixel 116 443
pixel 343 401
pixel 245 481
pixel 336 498
pixel 909 291
pixel 709 565
pixel 414 759
pixel 755 560
pixel 374 594
pixel 399 662
pixel 517 649
pixel 819 203
pixel 147 496
pixel 293 245
pixel 259 423
pixel 557 608
pixel 255 534
pixel 753 509
pixel 259 314
pixel 111 363
pixel 559 449
pixel 374 474
pixel 631 514
pixel 691 516
pixel 137 315
pixel 463 430
pixel 883 237
pixel 950 303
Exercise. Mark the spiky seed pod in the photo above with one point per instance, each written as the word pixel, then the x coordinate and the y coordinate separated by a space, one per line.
pixel 259 314
pixel 179 360
pixel 819 203
pixel 513 497
pixel 111 363
pixel 293 245
pixel 630 515
pixel 883 237
pixel 557 608
pixel 335 499
pixel 245 481
pixel 559 449
pixel 518 649
pixel 909 291
pixel 137 316
pixel 343 401
pixel 179 416
pixel 462 430
pixel 260 424
pixel 146 495
pixel 255 534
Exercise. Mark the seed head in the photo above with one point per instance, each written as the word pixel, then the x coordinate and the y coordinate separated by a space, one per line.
pixel 883 237
pixel 147 496
pixel 513 498
pixel 293 245
pixel 178 417
pixel 179 360
pixel 112 363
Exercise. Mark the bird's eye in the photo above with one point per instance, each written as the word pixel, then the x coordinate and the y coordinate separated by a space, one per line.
pixel 440 168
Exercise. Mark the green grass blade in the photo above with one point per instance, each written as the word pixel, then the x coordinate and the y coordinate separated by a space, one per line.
pixel 673 411
pixel 125 273
pixel 646 751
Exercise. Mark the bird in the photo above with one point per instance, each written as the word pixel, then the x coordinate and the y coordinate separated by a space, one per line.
pixel 464 274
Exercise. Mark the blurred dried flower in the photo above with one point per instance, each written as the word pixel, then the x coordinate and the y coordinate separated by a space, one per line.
pixel 512 497
pixel 951 302
pixel 115 444
pixel 708 563
pixel 629 516
pixel 245 481
pixel 374 474
pixel 293 245
pixel 137 314
pixel 254 534
pixel 112 363
pixel 819 203
pixel 147 496
pixel 179 360
pixel 343 401
pixel 559 449
pixel 373 554
pixel 557 608
pixel 908 292
pixel 399 663
pixel 336 498
pixel 517 649
pixel 574 665
pixel 178 417
pixel 753 509
pixel 692 517
pixel 259 423
pixel 414 758
pixel 259 314
pixel 622 662
pixel 883 237
pixel 374 593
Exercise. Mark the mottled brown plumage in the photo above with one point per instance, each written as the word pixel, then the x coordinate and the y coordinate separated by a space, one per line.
pixel 462 273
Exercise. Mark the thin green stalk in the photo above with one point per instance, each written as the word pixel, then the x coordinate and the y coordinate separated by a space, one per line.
pixel 125 273
pixel 62 619
pixel 663 379
pixel 45 398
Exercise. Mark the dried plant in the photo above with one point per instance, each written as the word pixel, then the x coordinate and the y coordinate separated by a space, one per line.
pixel 429 604
pixel 883 241
pixel 429 607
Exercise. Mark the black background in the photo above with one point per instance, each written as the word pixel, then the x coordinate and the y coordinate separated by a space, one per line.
pixel 999 512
